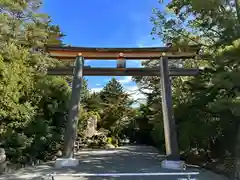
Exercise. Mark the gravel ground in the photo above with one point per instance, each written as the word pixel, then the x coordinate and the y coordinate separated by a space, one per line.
pixel 128 159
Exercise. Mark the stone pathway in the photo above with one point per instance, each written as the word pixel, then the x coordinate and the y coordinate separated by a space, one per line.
pixel 128 159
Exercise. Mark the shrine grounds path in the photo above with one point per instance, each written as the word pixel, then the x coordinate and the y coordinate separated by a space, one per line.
pixel 127 159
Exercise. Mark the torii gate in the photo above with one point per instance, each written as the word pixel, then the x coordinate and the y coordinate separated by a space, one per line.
pixel 121 55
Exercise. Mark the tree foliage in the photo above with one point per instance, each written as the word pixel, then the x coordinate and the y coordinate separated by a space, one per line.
pixel 116 108
pixel 210 99
pixel 33 106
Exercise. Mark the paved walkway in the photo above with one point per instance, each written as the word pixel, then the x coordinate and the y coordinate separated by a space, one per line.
pixel 129 159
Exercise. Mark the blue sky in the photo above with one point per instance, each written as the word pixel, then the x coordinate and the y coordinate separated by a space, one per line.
pixel 105 23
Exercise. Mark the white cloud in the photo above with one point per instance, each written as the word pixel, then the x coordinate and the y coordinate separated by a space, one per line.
pixel 96 89
pixel 98 84
pixel 125 80
pixel 135 94
pixel 133 91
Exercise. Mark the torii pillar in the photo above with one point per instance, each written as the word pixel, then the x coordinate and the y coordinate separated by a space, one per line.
pixel 72 121
pixel 170 132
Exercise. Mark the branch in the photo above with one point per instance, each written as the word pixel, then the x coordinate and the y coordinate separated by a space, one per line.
pixel 191 39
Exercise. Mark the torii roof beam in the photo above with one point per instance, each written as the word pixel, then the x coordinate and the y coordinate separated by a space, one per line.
pixel 69 53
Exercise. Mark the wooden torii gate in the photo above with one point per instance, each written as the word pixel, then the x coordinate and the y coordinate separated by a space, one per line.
pixel 121 55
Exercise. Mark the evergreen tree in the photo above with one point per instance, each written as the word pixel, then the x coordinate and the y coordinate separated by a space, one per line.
pixel 116 107
pixel 33 106
pixel 112 91
pixel 55 36
pixel 93 102
pixel 211 98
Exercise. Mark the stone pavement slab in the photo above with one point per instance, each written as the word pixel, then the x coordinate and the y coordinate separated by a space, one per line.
pixel 128 159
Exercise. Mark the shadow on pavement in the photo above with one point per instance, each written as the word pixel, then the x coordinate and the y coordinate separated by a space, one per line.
pixel 129 159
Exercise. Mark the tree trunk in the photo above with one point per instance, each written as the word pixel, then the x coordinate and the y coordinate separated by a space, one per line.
pixel 237 5
pixel 237 156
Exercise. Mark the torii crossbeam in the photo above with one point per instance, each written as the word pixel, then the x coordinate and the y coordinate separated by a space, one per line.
pixel 68 53
pixel 121 55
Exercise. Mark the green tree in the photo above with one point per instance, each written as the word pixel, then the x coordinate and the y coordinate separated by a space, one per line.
pixel 116 107
pixel 33 106
pixel 55 36
pixel 211 98
pixel 111 91
pixel 93 102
